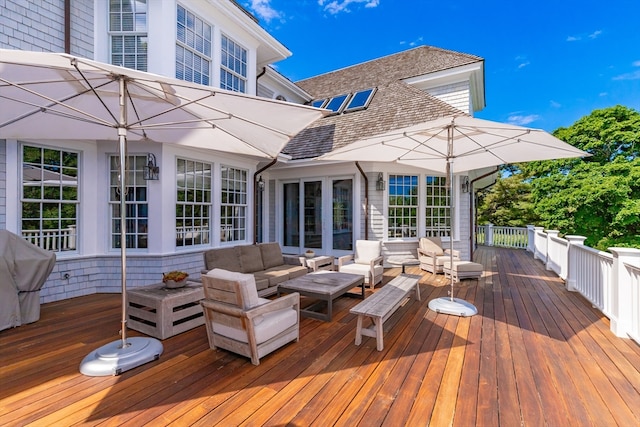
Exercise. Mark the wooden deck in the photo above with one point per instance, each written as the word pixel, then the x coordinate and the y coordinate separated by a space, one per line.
pixel 534 355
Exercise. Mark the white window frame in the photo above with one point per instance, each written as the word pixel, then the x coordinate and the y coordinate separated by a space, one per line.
pixel 234 208
pixel 53 175
pixel 233 67
pixel 137 31
pixel 196 181
pixel 134 182
pixel 437 207
pixel 193 51
pixel 402 210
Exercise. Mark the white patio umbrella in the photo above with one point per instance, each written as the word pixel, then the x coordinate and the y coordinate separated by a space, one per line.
pixel 55 96
pixel 459 143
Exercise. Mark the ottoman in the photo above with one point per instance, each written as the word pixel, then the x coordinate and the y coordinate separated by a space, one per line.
pixel 463 270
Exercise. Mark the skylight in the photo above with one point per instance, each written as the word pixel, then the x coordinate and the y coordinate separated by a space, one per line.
pixel 318 103
pixel 336 104
pixel 360 100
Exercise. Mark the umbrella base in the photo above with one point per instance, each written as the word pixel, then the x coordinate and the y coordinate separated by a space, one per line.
pixel 454 306
pixel 113 359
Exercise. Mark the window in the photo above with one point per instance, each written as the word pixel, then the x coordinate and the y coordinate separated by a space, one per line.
pixel 319 103
pixel 128 33
pixel 233 70
pixel 403 206
pixel 336 104
pixel 193 207
pixel 193 50
pixel 360 100
pixel 438 212
pixel 233 209
pixel 136 202
pixel 49 199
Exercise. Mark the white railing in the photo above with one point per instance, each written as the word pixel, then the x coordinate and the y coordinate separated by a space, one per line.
pixel 506 237
pixel 54 239
pixel 608 280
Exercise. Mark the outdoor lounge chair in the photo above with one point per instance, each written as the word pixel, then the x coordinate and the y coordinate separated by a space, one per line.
pixel 367 261
pixel 432 256
pixel 239 321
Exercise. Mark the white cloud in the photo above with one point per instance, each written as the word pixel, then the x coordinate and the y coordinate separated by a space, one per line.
pixel 336 6
pixel 555 104
pixel 413 43
pixel 522 61
pixel 522 120
pixel 634 75
pixel 603 94
pixel 636 63
pixel 595 34
pixel 573 38
pixel 263 9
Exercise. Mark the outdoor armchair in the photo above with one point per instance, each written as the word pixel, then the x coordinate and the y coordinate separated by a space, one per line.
pixel 432 255
pixel 239 321
pixel 367 261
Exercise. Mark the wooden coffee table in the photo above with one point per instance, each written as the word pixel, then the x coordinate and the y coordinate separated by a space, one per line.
pixel 324 286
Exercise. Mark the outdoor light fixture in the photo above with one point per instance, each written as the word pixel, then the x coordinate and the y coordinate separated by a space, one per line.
pixel 260 183
pixel 151 170
pixel 464 184
pixel 380 182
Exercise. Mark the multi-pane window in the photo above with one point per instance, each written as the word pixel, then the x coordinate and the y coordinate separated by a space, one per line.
pixel 137 209
pixel 193 49
pixel 128 33
pixel 49 199
pixel 233 69
pixel 233 209
pixel 193 206
pixel 403 206
pixel 437 203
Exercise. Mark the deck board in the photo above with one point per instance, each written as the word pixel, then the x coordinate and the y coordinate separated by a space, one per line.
pixel 535 354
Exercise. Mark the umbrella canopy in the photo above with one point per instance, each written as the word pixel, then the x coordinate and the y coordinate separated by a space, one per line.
pixel 467 142
pixel 59 96
pixel 459 142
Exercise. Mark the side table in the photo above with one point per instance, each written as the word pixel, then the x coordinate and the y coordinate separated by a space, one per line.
pixel 318 263
pixel 162 312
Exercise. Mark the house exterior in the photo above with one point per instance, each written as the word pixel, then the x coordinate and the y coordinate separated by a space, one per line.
pixel 205 198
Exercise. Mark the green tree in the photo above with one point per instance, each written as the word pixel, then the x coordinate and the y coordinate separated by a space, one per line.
pixel 597 197
pixel 509 203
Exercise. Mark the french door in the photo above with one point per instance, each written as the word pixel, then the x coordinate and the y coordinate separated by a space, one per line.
pixel 317 214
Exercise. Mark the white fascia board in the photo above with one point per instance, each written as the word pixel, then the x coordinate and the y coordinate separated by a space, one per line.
pixel 271 50
pixel 282 81
pixel 473 73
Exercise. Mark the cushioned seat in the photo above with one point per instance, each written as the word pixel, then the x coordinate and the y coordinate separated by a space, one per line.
pixel 366 261
pixel 239 321
pixel 432 255
pixel 463 270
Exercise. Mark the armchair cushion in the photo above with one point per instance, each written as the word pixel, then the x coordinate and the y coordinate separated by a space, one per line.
pixel 266 326
pixel 432 245
pixel 247 284
pixel 367 250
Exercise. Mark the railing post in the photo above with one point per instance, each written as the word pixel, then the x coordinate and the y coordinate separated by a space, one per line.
pixel 536 249
pixel 531 238
pixel 489 235
pixel 549 259
pixel 622 291
pixel 571 260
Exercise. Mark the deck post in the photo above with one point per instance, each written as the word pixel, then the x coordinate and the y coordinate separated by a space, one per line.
pixel 623 292
pixel 572 263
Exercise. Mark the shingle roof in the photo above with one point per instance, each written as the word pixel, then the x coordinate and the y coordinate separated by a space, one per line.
pixel 395 104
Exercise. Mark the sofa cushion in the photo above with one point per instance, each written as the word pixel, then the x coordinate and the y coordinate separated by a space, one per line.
pixel 271 254
pixel 247 282
pixel 262 283
pixel 222 257
pixel 275 275
pixel 429 245
pixel 367 250
pixel 250 258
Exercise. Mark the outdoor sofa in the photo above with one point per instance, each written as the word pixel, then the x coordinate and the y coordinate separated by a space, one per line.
pixel 264 260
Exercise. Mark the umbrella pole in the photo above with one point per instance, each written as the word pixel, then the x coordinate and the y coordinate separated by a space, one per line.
pixel 451 305
pixel 122 355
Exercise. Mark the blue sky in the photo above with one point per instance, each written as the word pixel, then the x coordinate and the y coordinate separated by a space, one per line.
pixel 547 63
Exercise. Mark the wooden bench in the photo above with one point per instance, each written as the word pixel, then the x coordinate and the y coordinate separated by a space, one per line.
pixel 382 304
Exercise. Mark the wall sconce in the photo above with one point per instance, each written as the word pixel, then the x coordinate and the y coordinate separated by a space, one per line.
pixel 260 184
pixel 151 170
pixel 464 184
pixel 380 182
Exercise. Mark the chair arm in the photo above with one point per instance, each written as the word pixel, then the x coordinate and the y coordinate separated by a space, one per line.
pixel 456 253
pixel 293 260
pixel 291 300
pixel 204 271
pixel 343 259
pixel 426 253
pixel 377 260
pixel 221 307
